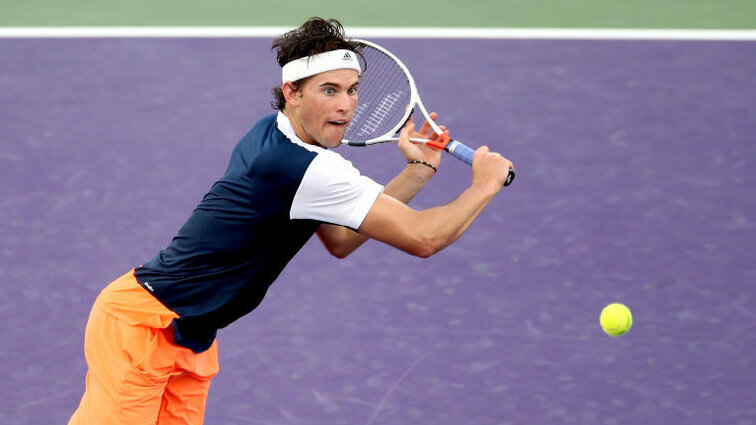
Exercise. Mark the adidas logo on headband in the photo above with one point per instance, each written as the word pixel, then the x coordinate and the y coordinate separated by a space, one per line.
pixel 347 57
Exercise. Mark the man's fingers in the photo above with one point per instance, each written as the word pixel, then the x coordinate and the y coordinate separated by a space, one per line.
pixel 433 135
pixel 426 127
pixel 405 133
pixel 409 121
pixel 483 149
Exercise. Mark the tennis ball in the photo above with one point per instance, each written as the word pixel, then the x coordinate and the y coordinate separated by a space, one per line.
pixel 616 319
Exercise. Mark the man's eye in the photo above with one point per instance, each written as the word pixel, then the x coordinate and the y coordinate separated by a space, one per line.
pixel 329 91
pixel 353 90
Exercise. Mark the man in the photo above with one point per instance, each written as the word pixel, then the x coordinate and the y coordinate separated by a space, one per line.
pixel 150 339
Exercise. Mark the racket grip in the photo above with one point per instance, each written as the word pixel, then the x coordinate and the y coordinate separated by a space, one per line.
pixel 464 153
pixel 460 151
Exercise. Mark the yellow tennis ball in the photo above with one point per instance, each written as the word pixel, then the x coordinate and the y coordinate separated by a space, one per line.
pixel 616 319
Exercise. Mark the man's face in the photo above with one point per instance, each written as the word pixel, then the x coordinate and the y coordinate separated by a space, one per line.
pixel 326 105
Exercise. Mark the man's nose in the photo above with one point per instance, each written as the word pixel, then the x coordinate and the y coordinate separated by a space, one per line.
pixel 344 101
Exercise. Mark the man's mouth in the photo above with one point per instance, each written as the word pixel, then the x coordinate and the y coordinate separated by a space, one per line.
pixel 340 123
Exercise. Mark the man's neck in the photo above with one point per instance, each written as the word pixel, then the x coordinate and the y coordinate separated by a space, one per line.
pixel 297 126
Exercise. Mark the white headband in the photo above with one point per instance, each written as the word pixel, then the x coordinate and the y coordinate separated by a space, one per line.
pixel 321 62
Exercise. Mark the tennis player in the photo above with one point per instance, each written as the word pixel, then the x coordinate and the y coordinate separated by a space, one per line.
pixel 150 340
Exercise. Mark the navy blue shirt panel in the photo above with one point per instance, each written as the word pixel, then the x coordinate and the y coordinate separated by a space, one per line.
pixel 236 242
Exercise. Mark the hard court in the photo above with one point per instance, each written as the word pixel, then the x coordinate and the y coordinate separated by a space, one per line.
pixel 635 171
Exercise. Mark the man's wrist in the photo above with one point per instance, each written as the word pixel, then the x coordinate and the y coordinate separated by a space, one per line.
pixel 411 162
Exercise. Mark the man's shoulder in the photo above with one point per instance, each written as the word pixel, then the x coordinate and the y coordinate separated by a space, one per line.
pixel 263 129
pixel 266 138
pixel 265 150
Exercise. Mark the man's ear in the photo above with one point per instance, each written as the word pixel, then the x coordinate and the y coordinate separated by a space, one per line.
pixel 291 93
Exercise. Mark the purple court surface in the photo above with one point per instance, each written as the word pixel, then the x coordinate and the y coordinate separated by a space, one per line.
pixel 635 183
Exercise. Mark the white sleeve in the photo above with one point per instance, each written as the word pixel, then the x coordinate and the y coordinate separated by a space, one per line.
pixel 333 191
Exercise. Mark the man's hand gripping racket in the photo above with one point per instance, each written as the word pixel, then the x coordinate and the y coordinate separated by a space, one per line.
pixel 387 98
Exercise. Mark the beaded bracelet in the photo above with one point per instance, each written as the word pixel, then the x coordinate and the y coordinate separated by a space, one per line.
pixel 417 161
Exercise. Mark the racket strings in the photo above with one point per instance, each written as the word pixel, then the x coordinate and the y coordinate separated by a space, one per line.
pixel 374 122
pixel 384 95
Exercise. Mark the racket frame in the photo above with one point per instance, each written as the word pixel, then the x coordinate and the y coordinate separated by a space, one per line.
pixel 454 147
pixel 414 101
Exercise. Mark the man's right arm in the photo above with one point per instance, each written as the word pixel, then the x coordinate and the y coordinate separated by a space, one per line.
pixel 423 233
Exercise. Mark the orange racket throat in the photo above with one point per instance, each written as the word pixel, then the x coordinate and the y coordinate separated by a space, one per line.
pixel 441 142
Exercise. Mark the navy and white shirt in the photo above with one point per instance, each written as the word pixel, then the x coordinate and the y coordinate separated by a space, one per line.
pixel 276 192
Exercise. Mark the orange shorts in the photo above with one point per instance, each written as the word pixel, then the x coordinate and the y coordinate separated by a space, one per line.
pixel 136 374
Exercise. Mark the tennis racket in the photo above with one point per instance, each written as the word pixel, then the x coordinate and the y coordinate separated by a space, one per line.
pixel 387 98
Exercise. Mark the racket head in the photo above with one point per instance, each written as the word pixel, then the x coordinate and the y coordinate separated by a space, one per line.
pixel 386 97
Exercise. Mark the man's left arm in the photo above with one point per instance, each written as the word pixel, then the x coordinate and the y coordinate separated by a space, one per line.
pixel 342 241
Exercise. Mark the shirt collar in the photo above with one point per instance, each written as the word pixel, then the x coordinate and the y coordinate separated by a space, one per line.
pixel 284 125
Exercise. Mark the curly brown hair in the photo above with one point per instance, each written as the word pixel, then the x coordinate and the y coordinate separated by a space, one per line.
pixel 317 35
